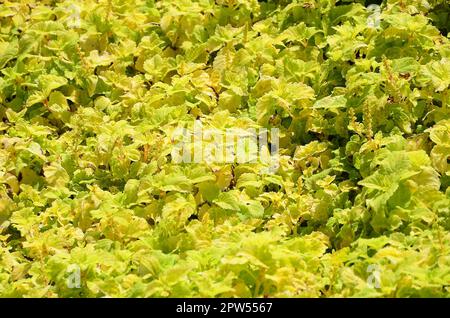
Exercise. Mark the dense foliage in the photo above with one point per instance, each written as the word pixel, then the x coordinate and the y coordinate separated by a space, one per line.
pixel 91 92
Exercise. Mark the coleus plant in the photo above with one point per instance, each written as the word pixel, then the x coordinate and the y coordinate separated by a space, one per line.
pixel 92 91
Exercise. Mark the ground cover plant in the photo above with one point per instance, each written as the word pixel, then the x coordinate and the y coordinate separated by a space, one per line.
pixel 92 203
